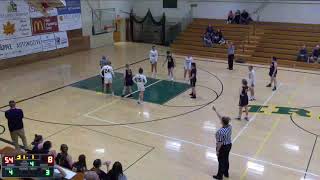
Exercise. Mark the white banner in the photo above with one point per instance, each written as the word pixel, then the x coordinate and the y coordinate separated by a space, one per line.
pixel 69 21
pixel 14 19
pixel 20 46
pixel 34 13
pixel 48 42
pixel 61 40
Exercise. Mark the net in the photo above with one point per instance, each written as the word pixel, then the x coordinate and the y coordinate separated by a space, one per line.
pixel 148 29
pixel 103 21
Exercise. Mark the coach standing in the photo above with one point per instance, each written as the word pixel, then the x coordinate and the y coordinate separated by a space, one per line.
pixel 231 51
pixel 223 147
pixel 15 124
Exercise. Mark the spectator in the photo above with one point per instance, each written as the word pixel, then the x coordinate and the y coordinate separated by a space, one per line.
pixel 81 165
pixel 210 30
pixel 207 41
pixel 37 143
pixel 116 173
pixel 245 17
pixel 218 38
pixel 63 158
pixel 96 168
pixel 230 17
pixel 237 17
pixel 303 54
pixel 315 54
pixel 91 175
pixel 45 148
pixel 15 124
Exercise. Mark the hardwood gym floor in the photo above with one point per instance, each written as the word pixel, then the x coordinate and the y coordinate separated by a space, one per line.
pixel 173 139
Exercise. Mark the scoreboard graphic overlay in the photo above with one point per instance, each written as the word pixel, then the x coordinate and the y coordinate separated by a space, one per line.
pixel 27 165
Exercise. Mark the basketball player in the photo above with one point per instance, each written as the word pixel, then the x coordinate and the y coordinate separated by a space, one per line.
pixel 193 80
pixel 140 79
pixel 128 82
pixel 252 82
pixel 107 73
pixel 153 60
pixel 273 73
pixel 171 63
pixel 244 100
pixel 187 66
pixel 103 62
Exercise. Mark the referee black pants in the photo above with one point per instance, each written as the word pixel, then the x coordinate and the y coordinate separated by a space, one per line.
pixel 230 61
pixel 223 160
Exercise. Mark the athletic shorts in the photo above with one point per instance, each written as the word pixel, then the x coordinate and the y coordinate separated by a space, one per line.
pixel 187 66
pixel 107 80
pixel 141 87
pixel 193 82
pixel 153 61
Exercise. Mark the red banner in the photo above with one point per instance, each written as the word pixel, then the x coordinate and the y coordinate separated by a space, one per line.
pixel 44 25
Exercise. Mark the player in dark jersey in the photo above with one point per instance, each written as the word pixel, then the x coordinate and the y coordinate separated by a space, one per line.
pixel 244 99
pixel 171 64
pixel 128 82
pixel 193 80
pixel 273 73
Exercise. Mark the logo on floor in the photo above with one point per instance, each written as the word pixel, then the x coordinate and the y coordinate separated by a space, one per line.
pixel 280 110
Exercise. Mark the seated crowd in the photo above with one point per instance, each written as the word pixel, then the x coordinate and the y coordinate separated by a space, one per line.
pixel 212 36
pixel 312 58
pixel 239 17
pixel 64 159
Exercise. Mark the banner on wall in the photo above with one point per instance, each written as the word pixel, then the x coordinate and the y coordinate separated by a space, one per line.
pixel 44 25
pixel 69 17
pixel 61 39
pixel 34 13
pixel 14 19
pixel 48 42
pixel 20 46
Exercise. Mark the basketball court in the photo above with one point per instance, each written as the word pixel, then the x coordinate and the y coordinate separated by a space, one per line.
pixel 170 136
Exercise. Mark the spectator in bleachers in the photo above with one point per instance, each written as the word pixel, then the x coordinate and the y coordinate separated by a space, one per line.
pixel 210 30
pixel 37 143
pixel 230 17
pixel 207 40
pixel 63 158
pixel 96 168
pixel 116 173
pixel 315 54
pixel 91 175
pixel 218 37
pixel 80 165
pixel 237 17
pixel 46 148
pixel 303 54
pixel 245 17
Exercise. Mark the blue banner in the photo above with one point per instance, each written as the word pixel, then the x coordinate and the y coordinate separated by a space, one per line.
pixel 72 7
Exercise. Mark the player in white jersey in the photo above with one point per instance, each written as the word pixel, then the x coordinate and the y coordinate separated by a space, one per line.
pixel 153 57
pixel 140 79
pixel 107 73
pixel 252 82
pixel 187 66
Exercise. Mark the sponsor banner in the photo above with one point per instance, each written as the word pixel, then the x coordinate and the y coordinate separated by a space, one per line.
pixel 14 19
pixel 61 40
pixel 34 13
pixel 48 42
pixel 13 9
pixel 44 25
pixel 20 46
pixel 69 22
pixel 14 28
pixel 72 7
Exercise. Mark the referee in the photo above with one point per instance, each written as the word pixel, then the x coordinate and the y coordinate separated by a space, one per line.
pixel 223 147
pixel 231 51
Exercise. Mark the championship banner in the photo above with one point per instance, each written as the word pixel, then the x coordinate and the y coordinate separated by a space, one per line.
pixel 44 25
pixel 14 19
pixel 48 42
pixel 20 46
pixel 61 40
pixel 72 7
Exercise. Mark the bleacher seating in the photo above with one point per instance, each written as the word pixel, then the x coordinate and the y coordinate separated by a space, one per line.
pixel 255 43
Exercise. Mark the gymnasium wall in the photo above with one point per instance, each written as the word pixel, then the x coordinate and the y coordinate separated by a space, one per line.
pixel 271 11
pixel 87 5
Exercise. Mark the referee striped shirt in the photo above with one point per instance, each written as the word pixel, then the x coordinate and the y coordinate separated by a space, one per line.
pixel 223 135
